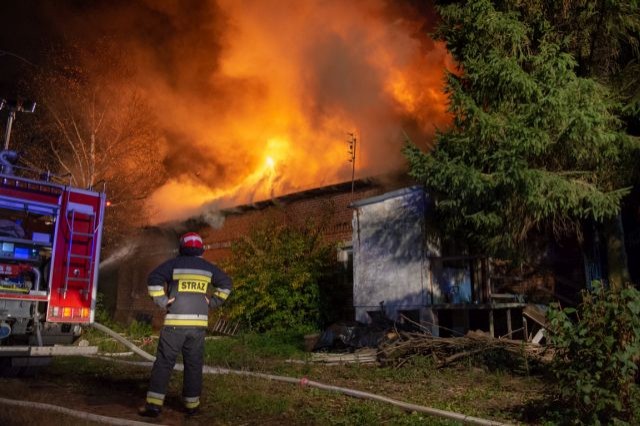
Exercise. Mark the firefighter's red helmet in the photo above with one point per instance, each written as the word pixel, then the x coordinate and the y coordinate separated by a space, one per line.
pixel 191 240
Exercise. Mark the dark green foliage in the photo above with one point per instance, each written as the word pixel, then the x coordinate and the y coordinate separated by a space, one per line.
pixel 532 145
pixel 102 314
pixel 597 356
pixel 604 37
pixel 276 273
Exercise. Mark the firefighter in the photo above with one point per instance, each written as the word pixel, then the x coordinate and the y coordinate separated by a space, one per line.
pixel 193 285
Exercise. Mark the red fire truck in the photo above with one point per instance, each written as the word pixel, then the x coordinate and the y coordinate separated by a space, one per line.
pixel 50 236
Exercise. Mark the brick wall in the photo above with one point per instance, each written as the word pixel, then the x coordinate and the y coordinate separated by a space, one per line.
pixel 332 202
pixel 129 276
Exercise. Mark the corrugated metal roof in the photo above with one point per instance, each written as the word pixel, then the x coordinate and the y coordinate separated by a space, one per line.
pixel 386 196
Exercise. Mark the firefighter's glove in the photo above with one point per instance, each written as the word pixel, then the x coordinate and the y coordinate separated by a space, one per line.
pixel 215 302
pixel 163 301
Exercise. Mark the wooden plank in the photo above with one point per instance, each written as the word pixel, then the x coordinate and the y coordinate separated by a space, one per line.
pixel 491 329
pixel 477 306
pixel 536 315
pixel 359 357
pixel 538 337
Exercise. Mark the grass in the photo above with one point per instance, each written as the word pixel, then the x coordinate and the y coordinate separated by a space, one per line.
pixel 465 389
pixel 138 332
pixel 230 399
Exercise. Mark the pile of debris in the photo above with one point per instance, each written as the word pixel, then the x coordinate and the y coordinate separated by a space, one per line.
pixel 446 351
pixel 390 344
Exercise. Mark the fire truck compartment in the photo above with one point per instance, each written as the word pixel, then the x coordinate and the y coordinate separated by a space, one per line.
pixel 49 251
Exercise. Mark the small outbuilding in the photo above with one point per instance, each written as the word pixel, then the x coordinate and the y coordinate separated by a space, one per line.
pixel 401 272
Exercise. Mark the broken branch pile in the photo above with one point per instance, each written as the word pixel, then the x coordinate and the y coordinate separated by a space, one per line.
pixel 446 351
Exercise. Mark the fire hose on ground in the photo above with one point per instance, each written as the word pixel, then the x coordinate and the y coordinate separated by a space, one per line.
pixel 305 382
pixel 216 370
pixel 450 415
pixel 73 413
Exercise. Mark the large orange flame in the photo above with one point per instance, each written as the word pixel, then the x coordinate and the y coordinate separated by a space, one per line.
pixel 294 78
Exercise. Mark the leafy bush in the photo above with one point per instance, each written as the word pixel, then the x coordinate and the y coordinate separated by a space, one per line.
pixel 276 272
pixel 102 314
pixel 134 329
pixel 597 355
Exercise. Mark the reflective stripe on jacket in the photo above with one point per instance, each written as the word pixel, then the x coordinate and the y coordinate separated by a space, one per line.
pixel 196 285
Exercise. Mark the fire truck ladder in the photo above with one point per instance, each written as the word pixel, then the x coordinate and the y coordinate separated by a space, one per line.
pixel 77 237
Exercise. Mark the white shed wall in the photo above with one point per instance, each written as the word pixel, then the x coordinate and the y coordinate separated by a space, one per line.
pixel 390 264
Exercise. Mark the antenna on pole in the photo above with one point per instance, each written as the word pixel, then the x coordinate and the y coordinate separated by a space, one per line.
pixel 13 107
pixel 353 144
pixel 7 157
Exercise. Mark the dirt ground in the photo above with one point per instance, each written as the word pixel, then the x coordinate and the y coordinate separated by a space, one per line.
pixel 112 395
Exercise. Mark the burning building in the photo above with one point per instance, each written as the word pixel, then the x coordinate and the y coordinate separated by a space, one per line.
pixel 257 102
pixel 126 277
pixel 283 85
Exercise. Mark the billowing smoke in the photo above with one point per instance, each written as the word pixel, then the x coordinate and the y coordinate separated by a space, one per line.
pixel 257 97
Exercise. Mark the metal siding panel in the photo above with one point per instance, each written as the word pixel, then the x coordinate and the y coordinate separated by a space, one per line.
pixel 389 255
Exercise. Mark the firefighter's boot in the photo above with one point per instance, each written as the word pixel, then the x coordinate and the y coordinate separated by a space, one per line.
pixel 191 405
pixel 150 410
pixel 190 412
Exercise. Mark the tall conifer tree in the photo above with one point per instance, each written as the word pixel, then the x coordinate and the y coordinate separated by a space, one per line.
pixel 532 146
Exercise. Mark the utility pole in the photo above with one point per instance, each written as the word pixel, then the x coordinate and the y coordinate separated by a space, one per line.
pixel 353 144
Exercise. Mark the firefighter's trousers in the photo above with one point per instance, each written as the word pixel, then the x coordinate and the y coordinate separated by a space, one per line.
pixel 175 340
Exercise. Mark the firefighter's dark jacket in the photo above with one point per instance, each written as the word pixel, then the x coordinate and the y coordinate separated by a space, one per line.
pixel 192 281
